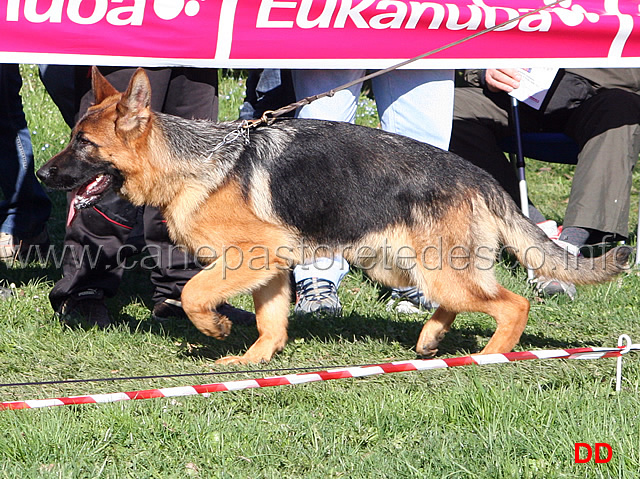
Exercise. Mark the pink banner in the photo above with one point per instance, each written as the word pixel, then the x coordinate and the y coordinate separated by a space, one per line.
pixel 318 33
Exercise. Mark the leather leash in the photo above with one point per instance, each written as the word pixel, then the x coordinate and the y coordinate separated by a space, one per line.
pixel 270 116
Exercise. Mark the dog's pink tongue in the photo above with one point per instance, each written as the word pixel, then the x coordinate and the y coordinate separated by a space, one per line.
pixel 77 196
pixel 72 207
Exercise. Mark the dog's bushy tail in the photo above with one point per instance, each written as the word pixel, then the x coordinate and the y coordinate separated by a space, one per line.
pixel 535 250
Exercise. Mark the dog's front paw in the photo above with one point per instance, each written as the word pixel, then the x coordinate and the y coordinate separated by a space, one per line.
pixel 426 352
pixel 429 348
pixel 260 352
pixel 233 360
pixel 211 324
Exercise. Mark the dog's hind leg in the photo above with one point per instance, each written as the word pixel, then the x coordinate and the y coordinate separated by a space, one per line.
pixel 511 313
pixel 433 331
pixel 475 290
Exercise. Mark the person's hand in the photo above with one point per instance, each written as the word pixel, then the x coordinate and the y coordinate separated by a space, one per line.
pixel 502 79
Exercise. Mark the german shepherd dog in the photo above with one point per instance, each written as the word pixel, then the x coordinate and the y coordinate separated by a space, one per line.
pixel 253 202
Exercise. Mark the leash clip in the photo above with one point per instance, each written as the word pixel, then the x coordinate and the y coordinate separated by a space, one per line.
pixel 266 119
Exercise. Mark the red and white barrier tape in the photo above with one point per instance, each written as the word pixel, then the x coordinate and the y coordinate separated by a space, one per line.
pixel 351 372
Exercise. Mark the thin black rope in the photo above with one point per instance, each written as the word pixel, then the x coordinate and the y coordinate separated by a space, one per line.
pixel 183 375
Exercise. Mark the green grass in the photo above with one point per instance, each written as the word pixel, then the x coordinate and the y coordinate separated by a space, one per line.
pixel 518 420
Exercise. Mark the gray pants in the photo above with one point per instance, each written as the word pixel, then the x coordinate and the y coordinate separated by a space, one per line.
pixel 606 127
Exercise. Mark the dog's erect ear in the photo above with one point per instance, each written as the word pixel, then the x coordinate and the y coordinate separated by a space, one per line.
pixel 134 107
pixel 102 89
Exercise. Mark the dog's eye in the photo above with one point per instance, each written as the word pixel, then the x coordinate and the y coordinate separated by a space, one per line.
pixel 82 141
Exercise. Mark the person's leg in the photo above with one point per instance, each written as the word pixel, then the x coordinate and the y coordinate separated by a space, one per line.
pixel 119 77
pixel 26 207
pixel 607 127
pixel 479 122
pixel 192 93
pixel 172 266
pixel 93 256
pixel 59 80
pixel 95 239
pixel 247 109
pixel 272 90
pixel 189 93
pixel 417 104
pixel 317 283
pixel 340 107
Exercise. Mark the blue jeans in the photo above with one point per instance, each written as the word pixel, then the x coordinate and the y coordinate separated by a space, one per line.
pixel 413 103
pixel 26 207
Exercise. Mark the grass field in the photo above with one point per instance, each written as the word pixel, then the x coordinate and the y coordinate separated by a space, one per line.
pixel 518 420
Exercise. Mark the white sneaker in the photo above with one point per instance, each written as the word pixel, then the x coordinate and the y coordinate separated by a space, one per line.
pixel 317 296
pixel 553 231
pixel 550 228
pixel 409 301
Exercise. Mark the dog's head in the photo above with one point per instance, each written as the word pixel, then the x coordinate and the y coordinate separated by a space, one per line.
pixel 104 146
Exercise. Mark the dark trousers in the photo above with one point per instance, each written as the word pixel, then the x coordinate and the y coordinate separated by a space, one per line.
pixel 111 231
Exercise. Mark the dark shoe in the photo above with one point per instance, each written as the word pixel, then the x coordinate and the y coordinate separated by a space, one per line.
pixel 26 249
pixel 237 315
pixel 86 306
pixel 317 296
pixel 171 308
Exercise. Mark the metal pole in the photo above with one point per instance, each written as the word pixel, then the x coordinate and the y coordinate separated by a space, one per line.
pixel 520 173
